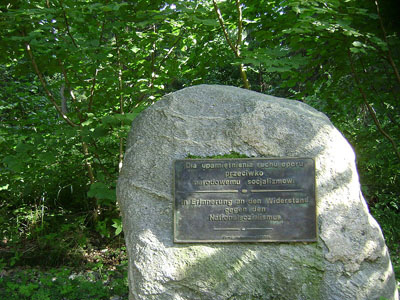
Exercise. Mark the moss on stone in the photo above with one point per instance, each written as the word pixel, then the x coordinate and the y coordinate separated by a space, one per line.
pixel 232 154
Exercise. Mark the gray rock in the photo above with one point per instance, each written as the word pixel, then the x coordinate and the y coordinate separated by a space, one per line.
pixel 350 259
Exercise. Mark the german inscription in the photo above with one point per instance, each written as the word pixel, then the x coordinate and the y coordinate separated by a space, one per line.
pixel 245 200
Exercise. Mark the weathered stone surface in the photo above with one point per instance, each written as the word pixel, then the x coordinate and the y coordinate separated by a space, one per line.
pixel 350 259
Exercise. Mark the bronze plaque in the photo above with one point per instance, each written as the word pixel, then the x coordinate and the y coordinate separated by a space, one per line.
pixel 245 200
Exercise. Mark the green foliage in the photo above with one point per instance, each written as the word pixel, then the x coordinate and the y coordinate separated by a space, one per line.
pixel 81 56
pixel 117 224
pixel 58 239
pixel 62 284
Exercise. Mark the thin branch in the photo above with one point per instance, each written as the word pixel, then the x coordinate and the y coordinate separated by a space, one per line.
pixel 90 172
pixel 370 109
pixel 121 154
pixel 235 49
pixel 240 26
pixel 64 107
pixel 44 85
pixel 222 23
pixel 96 71
pixel 67 25
pixel 71 92
pixel 153 60
pixel 121 104
pixel 87 162
pixel 243 74
pixel 388 114
pixel 238 44
pixel 395 97
pixel 379 99
pixel 67 81
pixel 92 90
pixel 95 153
pixel 172 48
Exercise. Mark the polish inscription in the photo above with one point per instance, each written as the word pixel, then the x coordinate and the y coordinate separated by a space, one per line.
pixel 244 200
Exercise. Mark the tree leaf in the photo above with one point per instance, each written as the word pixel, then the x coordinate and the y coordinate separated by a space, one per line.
pixel 102 192
pixel 100 132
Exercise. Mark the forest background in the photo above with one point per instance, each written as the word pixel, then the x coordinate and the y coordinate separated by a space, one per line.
pixel 75 73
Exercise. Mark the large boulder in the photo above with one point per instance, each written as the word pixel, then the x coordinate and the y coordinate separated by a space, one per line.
pixel 350 259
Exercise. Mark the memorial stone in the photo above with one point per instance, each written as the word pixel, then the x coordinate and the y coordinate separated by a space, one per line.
pixel 246 230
